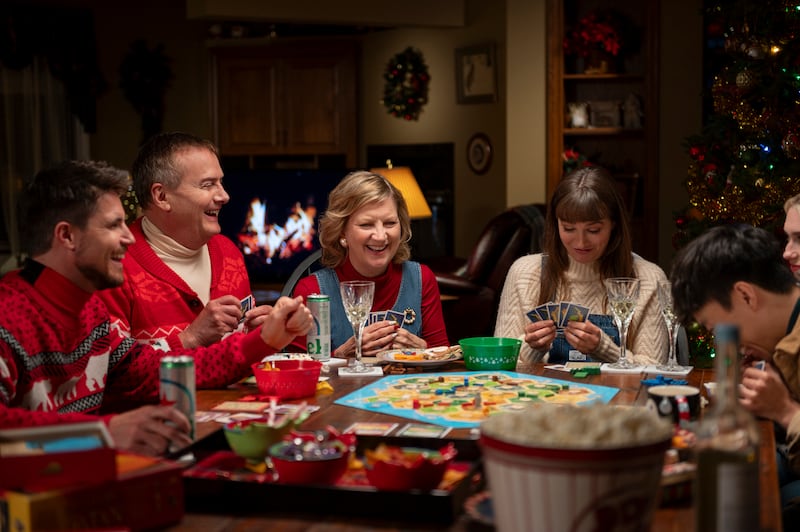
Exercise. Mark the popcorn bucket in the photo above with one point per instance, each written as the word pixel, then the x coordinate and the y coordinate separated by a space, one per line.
pixel 572 486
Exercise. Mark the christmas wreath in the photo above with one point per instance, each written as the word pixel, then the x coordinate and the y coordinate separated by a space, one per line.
pixel 406 89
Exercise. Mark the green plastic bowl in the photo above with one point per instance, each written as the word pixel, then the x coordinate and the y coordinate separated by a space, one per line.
pixel 490 352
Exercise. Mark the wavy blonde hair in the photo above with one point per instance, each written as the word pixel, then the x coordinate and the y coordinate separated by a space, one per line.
pixel 355 190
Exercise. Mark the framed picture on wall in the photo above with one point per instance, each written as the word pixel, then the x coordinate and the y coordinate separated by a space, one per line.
pixel 476 74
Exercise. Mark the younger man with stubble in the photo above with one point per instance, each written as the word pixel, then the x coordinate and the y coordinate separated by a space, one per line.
pixel 736 274
pixel 59 355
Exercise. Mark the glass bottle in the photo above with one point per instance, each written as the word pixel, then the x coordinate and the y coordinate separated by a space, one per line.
pixel 726 488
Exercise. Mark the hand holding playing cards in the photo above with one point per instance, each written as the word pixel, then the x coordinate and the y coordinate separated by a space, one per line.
pixel 378 336
pixel 540 335
pixel 253 318
pixel 219 317
pixel 583 336
pixel 287 319
pixel 150 430
pixel 764 393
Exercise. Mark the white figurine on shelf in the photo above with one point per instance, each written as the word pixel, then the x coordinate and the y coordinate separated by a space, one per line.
pixel 578 114
pixel 632 112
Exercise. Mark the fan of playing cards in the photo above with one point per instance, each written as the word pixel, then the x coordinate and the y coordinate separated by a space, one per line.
pixel 561 313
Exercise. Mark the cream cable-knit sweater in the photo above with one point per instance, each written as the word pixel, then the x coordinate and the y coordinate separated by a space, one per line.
pixel 648 341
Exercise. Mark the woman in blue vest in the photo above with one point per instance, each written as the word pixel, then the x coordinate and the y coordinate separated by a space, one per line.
pixel 587 240
pixel 364 235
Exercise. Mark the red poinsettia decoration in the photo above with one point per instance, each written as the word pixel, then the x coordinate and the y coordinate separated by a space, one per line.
pixel 605 31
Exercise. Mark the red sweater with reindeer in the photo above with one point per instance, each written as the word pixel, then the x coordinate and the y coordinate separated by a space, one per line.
pixel 59 356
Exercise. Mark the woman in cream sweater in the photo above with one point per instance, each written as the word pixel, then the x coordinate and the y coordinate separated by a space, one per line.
pixel 587 240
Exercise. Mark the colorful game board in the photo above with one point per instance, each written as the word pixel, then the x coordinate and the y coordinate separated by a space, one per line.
pixel 464 399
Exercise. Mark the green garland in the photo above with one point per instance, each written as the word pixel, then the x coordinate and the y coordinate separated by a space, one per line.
pixel 406 88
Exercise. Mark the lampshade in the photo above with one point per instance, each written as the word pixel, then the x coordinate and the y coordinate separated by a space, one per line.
pixel 402 178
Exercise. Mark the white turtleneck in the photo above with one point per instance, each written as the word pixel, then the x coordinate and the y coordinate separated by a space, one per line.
pixel 191 265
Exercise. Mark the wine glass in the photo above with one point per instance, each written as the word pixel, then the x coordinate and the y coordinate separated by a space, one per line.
pixel 622 294
pixel 665 300
pixel 357 299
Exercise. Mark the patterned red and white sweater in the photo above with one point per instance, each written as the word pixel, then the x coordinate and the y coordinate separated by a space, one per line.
pixel 59 356
pixel 154 304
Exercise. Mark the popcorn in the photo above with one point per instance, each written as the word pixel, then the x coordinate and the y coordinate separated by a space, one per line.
pixel 578 427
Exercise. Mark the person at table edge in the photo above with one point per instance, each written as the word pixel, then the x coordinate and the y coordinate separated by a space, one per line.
pixel 58 353
pixel 364 235
pixel 736 274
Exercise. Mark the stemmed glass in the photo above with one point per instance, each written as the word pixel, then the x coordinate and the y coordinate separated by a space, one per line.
pixel 622 294
pixel 357 299
pixel 665 300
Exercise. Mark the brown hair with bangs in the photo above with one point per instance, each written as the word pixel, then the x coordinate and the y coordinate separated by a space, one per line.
pixel 585 195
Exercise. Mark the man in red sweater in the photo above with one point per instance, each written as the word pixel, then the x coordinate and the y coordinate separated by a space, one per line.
pixel 59 356
pixel 180 263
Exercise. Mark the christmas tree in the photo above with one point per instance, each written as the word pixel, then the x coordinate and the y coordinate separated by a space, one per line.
pixel 746 161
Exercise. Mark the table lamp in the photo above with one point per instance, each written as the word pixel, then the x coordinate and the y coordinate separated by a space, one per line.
pixel 402 178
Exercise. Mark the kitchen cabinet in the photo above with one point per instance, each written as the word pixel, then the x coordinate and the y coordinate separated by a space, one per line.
pixel 286 99
pixel 608 114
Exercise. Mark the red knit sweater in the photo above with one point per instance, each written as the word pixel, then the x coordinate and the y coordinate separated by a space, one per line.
pixel 154 304
pixel 59 356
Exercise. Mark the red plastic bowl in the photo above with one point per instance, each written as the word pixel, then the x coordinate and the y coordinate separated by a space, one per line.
pixel 323 471
pixel 290 379
pixel 409 468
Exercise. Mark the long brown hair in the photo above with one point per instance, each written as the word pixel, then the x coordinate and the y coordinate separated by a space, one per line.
pixel 585 195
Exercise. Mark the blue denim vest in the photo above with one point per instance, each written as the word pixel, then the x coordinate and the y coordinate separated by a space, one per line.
pixel 409 297
pixel 562 351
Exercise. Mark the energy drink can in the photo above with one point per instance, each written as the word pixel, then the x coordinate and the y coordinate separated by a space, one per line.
pixel 318 341
pixel 177 385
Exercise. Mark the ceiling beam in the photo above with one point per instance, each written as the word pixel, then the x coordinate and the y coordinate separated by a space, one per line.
pixel 409 13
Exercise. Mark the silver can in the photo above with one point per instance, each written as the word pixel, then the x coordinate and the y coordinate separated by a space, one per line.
pixel 318 341
pixel 177 385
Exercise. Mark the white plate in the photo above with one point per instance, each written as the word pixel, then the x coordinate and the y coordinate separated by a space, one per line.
pixel 389 356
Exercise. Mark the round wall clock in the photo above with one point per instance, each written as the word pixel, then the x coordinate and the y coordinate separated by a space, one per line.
pixel 479 153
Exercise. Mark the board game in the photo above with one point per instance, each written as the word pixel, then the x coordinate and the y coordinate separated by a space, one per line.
pixel 464 399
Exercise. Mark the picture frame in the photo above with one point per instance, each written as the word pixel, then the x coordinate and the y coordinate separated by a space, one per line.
pixel 479 153
pixel 476 74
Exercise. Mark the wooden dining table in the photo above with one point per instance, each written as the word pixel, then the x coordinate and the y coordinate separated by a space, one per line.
pixel 677 517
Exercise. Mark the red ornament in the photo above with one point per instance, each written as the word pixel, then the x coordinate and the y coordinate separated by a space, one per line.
pixel 681 221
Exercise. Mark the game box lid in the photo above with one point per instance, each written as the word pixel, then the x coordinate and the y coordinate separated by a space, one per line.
pixel 226 491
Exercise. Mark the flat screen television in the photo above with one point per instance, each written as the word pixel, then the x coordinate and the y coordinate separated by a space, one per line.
pixel 273 218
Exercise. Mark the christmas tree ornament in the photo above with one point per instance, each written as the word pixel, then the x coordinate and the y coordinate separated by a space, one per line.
pixel 791 145
pixel 745 80
pixel 756 51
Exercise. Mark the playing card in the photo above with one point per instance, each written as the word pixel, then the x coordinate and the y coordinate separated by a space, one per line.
pixel 533 316
pixel 563 306
pixel 554 312
pixel 575 312
pixel 245 304
pixel 395 316
pixel 543 312
pixel 376 317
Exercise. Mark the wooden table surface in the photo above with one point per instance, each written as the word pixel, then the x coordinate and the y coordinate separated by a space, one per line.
pixel 679 518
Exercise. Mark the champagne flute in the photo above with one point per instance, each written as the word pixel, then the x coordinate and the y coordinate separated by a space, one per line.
pixel 665 300
pixel 357 299
pixel 622 293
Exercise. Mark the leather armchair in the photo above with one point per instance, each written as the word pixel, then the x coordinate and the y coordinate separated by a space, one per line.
pixel 471 287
